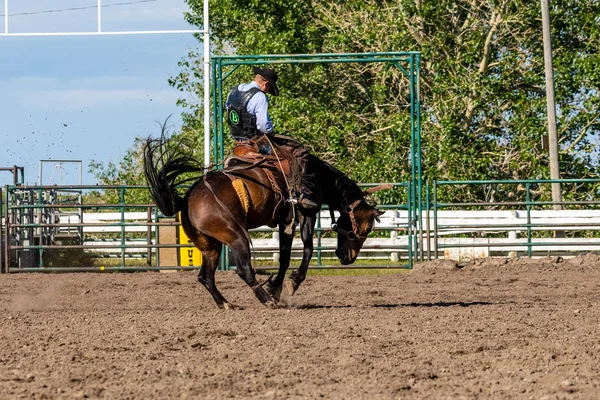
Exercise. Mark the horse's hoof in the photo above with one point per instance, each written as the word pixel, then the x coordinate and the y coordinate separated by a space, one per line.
pixel 229 306
pixel 275 293
pixel 270 290
pixel 289 288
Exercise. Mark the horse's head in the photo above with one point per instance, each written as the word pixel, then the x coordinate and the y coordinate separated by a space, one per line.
pixel 353 226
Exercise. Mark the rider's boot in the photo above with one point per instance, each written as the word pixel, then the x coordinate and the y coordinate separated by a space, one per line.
pixel 301 194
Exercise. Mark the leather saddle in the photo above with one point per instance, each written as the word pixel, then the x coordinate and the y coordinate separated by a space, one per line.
pixel 247 152
pixel 246 156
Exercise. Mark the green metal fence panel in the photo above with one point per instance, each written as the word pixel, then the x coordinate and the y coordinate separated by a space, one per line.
pixel 532 216
pixel 48 231
pixel 40 227
pixel 51 234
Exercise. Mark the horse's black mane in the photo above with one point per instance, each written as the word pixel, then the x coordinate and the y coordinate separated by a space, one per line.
pixel 166 167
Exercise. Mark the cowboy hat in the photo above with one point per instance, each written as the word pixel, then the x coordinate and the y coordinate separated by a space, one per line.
pixel 270 76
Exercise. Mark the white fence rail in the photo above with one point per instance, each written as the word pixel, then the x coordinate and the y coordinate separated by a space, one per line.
pixel 440 233
pixel 470 221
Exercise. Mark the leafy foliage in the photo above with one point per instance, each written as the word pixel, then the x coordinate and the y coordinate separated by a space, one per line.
pixel 482 83
pixel 482 87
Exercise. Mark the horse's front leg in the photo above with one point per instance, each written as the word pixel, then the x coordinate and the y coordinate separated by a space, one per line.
pixel 307 228
pixel 285 254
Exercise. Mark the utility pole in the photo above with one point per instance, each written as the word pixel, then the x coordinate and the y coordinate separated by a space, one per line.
pixel 552 136
pixel 551 106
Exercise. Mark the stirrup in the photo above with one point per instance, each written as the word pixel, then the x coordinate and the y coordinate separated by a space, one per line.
pixel 303 201
pixel 307 203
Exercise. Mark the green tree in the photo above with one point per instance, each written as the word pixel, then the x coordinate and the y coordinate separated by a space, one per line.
pixel 482 83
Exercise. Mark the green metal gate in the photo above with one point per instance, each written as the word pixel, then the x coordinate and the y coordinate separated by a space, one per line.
pixel 407 62
pixel 2 234
pixel 18 179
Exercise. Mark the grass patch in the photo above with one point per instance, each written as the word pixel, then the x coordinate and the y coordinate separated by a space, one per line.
pixel 343 272
pixel 116 262
pixel 355 272
pixel 329 267
pixel 372 267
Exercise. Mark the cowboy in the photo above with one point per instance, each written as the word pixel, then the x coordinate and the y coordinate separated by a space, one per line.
pixel 248 117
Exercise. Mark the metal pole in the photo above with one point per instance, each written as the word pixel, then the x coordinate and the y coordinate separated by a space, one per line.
pixel 15 175
pixel 219 104
pixel 96 33
pixel 428 220
pixel 149 236
pixel 206 87
pixel 550 103
pixel 435 220
pixel 6 237
pixel 122 210
pixel 416 187
pixel 215 116
pixel 6 17
pixel 39 229
pixel 2 269
pixel 99 16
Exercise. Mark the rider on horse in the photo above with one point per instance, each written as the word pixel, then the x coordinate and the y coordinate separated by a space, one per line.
pixel 248 119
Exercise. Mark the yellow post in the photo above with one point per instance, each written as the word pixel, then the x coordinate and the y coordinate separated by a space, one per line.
pixel 188 256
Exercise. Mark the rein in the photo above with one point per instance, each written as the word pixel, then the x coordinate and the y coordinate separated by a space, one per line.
pixel 350 235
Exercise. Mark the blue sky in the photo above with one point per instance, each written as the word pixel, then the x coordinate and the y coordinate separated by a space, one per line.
pixel 85 97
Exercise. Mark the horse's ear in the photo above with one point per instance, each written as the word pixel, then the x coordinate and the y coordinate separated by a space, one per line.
pixel 378 188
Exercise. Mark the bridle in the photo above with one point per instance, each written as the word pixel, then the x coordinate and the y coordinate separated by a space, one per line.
pixel 350 235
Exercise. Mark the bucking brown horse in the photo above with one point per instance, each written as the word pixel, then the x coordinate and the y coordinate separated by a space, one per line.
pixel 222 205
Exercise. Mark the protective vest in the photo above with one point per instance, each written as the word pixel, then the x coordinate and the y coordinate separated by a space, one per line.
pixel 242 124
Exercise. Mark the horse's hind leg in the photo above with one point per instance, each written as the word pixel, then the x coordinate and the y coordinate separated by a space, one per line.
pixel 206 276
pixel 241 253
pixel 285 251
pixel 307 228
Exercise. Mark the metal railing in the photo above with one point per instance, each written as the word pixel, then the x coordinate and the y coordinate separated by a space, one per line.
pixel 546 231
pixel 38 237
pixel 43 232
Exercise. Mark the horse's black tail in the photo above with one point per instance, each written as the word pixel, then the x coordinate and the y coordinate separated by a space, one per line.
pixel 167 165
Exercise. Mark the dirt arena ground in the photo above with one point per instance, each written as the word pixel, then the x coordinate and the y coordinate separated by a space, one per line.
pixel 528 329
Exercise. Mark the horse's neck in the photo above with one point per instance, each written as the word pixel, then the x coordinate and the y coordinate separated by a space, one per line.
pixel 338 190
pixel 349 193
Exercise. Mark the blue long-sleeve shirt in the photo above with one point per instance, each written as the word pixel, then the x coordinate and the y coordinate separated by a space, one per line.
pixel 259 107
